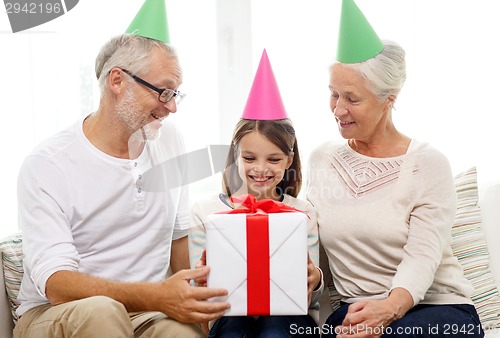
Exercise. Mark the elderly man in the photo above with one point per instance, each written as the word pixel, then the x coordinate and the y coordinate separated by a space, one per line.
pixel 98 236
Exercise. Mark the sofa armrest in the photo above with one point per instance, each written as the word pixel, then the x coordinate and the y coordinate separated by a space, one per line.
pixel 489 202
pixel 6 322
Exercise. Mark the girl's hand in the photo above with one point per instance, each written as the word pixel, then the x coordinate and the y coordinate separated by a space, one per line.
pixel 313 278
pixel 202 262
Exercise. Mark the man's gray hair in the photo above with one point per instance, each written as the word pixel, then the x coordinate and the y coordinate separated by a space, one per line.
pixel 130 52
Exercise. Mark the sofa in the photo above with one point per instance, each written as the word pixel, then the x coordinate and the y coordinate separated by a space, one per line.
pixel 475 231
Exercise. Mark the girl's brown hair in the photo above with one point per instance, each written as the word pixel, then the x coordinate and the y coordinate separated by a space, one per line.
pixel 282 134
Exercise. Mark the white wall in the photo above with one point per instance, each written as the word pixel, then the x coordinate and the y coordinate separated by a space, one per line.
pixel 450 98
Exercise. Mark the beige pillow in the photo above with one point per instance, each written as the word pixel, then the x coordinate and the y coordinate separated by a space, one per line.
pixel 12 259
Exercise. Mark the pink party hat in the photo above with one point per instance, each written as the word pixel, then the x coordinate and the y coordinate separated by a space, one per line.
pixel 264 101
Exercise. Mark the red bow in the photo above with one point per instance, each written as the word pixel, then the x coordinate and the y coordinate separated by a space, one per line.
pixel 252 206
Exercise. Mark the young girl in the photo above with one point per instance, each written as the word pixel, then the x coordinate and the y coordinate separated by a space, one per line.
pixel 263 161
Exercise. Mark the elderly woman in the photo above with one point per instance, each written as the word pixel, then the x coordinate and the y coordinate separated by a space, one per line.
pixel 386 204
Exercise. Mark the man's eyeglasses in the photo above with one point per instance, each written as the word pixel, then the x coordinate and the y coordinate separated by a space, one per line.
pixel 164 95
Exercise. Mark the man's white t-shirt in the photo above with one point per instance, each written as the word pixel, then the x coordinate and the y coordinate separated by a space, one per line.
pixel 83 210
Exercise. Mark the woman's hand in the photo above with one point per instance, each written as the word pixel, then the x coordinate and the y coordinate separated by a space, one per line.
pixel 313 278
pixel 202 262
pixel 371 318
pixel 366 319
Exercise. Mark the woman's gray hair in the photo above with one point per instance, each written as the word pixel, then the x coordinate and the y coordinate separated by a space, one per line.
pixel 130 52
pixel 385 73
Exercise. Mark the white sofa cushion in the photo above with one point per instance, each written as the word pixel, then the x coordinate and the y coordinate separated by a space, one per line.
pixel 469 246
pixel 489 200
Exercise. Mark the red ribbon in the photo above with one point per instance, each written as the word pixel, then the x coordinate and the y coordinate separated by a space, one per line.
pixel 258 260
pixel 258 266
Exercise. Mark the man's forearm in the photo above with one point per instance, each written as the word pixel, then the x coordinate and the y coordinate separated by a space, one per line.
pixel 65 286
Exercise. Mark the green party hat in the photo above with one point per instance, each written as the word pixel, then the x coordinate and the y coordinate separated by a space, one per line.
pixel 357 40
pixel 151 21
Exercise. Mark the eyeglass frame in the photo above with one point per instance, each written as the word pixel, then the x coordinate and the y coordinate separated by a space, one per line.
pixel 175 93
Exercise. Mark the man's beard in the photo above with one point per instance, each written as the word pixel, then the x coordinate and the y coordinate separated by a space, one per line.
pixel 131 115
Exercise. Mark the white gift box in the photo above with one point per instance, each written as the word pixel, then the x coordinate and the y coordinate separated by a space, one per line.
pixel 284 266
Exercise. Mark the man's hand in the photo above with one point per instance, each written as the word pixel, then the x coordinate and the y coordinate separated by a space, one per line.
pixel 186 303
